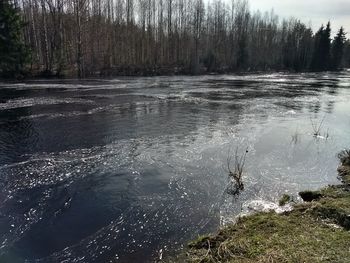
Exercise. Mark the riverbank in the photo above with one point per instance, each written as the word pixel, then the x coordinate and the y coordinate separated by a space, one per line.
pixel 131 71
pixel 314 231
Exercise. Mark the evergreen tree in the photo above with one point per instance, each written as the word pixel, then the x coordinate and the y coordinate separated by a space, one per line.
pixel 321 56
pixel 326 47
pixel 316 56
pixel 338 49
pixel 13 54
pixel 346 58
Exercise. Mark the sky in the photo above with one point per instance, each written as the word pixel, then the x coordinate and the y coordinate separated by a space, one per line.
pixel 311 12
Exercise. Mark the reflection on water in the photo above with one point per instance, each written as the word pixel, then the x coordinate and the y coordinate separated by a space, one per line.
pixel 118 170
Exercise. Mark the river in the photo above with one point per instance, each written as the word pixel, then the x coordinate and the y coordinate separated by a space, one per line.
pixel 130 169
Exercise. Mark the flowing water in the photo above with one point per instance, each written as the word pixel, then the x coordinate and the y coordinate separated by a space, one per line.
pixel 130 169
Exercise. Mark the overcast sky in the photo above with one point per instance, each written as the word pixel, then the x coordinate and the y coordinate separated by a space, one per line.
pixel 316 12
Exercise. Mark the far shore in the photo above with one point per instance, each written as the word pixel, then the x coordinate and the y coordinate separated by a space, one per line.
pixel 109 74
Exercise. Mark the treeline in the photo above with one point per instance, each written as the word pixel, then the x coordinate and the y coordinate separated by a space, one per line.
pixel 134 37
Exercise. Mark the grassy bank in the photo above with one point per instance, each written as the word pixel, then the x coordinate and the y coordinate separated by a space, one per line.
pixel 314 231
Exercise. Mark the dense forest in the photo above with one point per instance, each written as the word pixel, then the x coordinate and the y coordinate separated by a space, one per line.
pixel 148 37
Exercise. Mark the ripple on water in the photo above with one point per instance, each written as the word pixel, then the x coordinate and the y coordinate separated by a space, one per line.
pixel 130 169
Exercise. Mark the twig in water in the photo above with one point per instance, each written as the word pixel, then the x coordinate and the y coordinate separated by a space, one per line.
pixel 327 134
pixel 317 127
pixel 295 137
pixel 236 181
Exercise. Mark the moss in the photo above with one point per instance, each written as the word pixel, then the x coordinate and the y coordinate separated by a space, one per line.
pixel 344 172
pixel 269 237
pixel 285 199
pixel 333 204
pixel 315 231
pixel 344 169
pixel 334 191
pixel 344 157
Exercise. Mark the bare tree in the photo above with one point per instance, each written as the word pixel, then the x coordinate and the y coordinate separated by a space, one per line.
pixel 162 36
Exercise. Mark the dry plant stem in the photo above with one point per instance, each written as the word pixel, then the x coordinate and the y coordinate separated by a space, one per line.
pixel 237 173
pixel 317 127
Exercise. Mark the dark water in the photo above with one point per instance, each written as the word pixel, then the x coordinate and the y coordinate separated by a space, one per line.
pixel 124 170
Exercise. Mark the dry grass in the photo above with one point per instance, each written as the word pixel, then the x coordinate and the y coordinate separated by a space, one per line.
pixel 269 237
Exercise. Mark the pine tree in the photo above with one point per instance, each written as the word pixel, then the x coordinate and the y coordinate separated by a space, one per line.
pixel 316 56
pixel 346 57
pixel 321 55
pixel 13 54
pixel 338 49
pixel 326 47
